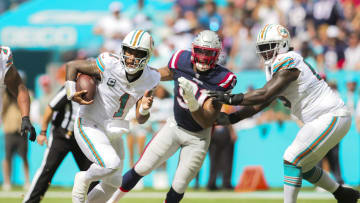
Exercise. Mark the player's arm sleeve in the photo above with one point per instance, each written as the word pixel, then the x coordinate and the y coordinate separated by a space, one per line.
pixel 175 60
pixel 59 100
pixel 285 64
pixel 106 60
pixel 272 89
pixel 6 57
pixel 229 82
pixel 226 84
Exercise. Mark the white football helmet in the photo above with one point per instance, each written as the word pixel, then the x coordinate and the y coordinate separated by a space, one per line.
pixel 272 39
pixel 206 49
pixel 141 43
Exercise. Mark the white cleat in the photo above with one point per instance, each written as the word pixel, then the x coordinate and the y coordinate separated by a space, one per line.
pixel 80 188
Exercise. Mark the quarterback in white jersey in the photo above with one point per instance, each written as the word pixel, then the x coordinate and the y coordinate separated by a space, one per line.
pixel 125 80
pixel 326 119
pixel 10 78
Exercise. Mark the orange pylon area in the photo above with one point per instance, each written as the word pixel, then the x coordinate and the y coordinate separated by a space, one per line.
pixel 252 179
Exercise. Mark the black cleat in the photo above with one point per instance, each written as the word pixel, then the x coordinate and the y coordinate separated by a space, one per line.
pixel 346 195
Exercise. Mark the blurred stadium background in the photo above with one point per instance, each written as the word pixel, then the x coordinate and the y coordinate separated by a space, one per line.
pixel 45 34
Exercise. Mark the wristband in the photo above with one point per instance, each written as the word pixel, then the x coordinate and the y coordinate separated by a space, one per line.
pixel 70 89
pixel 43 132
pixel 142 111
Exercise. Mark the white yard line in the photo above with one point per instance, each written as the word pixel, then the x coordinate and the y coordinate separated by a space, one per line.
pixel 191 195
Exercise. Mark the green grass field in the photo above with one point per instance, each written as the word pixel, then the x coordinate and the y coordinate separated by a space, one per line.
pixel 184 201
pixel 62 195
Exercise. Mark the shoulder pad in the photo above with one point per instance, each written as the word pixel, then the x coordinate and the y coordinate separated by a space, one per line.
pixel 107 60
pixel 285 61
pixel 174 60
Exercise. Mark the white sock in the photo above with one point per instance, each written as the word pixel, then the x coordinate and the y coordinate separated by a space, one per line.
pixel 292 182
pixel 101 193
pixel 290 193
pixel 327 183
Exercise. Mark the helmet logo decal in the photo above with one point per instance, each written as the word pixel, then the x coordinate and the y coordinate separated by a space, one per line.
pixel 282 32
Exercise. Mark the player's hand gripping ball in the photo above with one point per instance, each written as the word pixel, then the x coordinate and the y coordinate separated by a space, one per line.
pixel 85 89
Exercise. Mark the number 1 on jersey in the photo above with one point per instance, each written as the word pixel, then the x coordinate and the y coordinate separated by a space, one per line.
pixel 123 100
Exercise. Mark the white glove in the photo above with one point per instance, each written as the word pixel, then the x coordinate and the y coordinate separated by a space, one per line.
pixel 189 89
pixel 70 89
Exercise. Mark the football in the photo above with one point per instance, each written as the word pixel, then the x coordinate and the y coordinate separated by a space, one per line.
pixel 86 82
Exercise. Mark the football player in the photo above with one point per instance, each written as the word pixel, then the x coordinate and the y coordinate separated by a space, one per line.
pixel 326 119
pixel 125 80
pixel 193 73
pixel 10 79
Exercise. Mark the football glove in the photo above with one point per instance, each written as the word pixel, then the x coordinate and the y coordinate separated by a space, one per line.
pixel 227 98
pixel 188 87
pixel 26 127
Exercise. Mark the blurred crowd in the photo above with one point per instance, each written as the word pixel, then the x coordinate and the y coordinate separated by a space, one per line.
pixel 325 32
pixel 10 4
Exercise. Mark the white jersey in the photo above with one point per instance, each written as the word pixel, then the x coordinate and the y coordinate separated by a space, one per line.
pixel 6 60
pixel 309 95
pixel 115 95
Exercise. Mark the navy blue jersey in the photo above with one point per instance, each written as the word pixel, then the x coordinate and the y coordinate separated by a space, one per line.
pixel 217 78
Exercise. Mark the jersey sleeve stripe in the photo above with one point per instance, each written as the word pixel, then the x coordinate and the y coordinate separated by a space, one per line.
pixel 175 59
pixel 100 64
pixel 231 81
pixel 287 65
pixel 9 61
pixel 224 82
pixel 282 63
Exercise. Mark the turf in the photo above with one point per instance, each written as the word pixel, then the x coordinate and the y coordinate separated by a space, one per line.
pixel 186 200
pixel 63 196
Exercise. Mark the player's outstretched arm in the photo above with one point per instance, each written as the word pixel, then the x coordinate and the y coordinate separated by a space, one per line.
pixel 272 89
pixel 72 69
pixel 165 74
pixel 87 67
pixel 244 112
pixel 204 115
pixel 17 88
pixel 143 106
